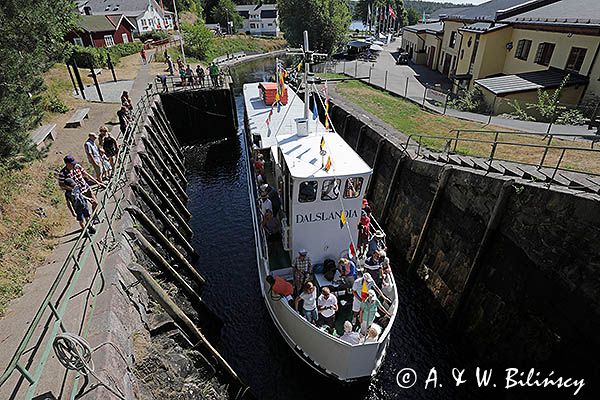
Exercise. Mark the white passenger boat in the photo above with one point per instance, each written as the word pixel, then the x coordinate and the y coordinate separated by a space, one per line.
pixel 297 149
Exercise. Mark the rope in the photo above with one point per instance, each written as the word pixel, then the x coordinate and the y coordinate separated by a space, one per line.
pixel 75 353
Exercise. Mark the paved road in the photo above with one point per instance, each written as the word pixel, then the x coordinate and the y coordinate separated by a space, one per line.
pixel 410 80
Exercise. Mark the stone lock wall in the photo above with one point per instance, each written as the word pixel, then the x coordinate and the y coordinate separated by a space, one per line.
pixel 533 293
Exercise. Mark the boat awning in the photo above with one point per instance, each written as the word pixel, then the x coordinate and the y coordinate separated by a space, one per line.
pixel 548 79
pixel 303 157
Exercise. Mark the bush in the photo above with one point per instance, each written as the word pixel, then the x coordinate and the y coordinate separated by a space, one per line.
pixel 56 105
pixel 154 35
pixel 471 101
pixel 572 117
pixel 88 57
pixel 518 112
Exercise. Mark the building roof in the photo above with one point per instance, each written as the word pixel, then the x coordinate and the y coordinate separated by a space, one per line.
pixel 529 81
pixel 131 8
pixel 433 27
pixel 437 14
pixel 491 10
pixel 96 23
pixel 562 12
pixel 479 27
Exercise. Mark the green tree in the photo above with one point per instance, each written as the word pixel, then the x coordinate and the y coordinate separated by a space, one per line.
pixel 412 16
pixel 197 39
pixel 327 22
pixel 224 12
pixel 32 40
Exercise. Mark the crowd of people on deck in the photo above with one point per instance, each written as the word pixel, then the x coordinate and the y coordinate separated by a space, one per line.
pixel 189 77
pixel 101 151
pixel 320 306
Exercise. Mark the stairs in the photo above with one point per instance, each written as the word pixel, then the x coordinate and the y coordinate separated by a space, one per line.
pixel 572 180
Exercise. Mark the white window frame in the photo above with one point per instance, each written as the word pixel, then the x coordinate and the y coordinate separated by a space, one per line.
pixel 109 41
pixel 125 38
pixel 78 41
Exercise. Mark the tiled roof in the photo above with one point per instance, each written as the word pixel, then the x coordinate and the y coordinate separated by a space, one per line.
pixel 483 27
pixel 529 81
pixel 95 23
pixel 487 11
pixel 433 27
pixel 562 12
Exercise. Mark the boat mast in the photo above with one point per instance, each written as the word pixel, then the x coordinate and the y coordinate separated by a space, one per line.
pixel 307 61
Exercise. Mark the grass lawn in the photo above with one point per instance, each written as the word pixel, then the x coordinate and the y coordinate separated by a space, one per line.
pixel 410 119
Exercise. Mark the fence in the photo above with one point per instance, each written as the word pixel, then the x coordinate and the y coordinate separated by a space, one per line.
pixel 438 97
pixel 88 251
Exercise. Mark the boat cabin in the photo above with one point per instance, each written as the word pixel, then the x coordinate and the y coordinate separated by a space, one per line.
pixel 313 198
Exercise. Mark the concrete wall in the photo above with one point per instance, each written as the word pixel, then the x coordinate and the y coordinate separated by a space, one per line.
pixel 535 294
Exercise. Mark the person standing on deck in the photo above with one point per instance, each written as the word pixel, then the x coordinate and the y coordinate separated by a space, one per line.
pixel 93 156
pixel 309 308
pixel 327 305
pixel 303 269
pixel 200 74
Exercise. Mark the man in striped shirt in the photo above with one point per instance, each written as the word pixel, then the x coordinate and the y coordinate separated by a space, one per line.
pixel 81 177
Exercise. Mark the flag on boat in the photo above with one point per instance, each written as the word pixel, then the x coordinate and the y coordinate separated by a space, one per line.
pixel 352 250
pixel 315 111
pixel 299 66
pixel 392 12
pixel 322 145
pixel 364 291
pixel 342 219
pixel 328 164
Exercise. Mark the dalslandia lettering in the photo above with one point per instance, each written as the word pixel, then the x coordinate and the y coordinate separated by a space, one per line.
pixel 324 216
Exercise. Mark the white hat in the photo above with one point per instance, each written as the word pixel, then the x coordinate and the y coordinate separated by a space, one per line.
pixel 367 277
pixel 303 252
pixel 264 187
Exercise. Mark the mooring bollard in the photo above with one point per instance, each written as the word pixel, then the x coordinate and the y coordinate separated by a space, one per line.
pixel 406 88
pixel 385 82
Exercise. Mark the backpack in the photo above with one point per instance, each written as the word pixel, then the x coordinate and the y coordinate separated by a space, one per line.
pixel 329 269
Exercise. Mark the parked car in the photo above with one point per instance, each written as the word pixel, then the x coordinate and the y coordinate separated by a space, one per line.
pixel 402 58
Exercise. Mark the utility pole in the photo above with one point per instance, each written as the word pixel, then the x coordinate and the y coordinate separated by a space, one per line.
pixel 179 32
pixel 307 61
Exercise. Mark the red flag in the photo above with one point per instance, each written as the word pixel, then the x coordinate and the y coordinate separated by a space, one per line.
pixel 392 12
pixel 352 250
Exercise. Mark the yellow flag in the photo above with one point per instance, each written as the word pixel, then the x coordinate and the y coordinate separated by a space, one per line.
pixel 342 219
pixel 322 143
pixel 328 164
pixel 299 66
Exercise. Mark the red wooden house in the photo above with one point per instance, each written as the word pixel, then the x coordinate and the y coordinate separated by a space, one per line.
pixel 101 30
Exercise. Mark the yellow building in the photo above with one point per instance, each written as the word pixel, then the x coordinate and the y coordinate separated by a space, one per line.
pixel 422 43
pixel 510 49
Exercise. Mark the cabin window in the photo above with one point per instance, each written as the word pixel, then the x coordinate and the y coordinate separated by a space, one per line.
pixel 353 187
pixel 523 47
pixel 307 191
pixel 544 53
pixel 78 41
pixel 109 41
pixel 330 190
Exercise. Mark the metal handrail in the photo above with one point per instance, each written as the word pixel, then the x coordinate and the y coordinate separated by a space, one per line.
pixel 559 135
pixel 494 145
pixel 84 246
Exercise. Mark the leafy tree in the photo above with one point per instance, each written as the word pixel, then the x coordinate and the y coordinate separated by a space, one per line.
pixel 32 40
pixel 547 105
pixel 224 12
pixel 412 16
pixel 197 39
pixel 327 22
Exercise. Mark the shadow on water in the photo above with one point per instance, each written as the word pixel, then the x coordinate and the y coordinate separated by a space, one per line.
pixel 223 237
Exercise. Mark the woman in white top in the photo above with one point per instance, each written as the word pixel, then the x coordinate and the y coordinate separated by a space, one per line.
pixel 309 308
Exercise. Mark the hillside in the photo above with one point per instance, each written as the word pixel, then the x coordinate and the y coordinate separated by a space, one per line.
pixel 430 6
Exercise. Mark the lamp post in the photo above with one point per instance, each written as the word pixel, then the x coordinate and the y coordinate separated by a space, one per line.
pixel 179 32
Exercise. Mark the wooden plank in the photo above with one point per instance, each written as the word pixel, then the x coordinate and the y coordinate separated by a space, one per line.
pixel 78 117
pixel 38 137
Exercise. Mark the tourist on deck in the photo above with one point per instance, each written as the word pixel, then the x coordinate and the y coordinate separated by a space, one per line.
pixel 368 311
pixel 78 204
pixel 111 148
pixel 200 74
pixel 364 227
pixel 101 135
pixel 93 155
pixel 327 305
pixel 163 80
pixel 373 265
pixel 387 283
pixel 124 119
pixel 189 74
pixel 309 308
pixel 214 74
pixel 273 196
pixel 303 269
pixel 259 164
pixel 373 333
pixel 349 336
pixel 126 101
pixel 348 272
pixel 376 243
pixel 76 172
pixel 271 226
pixel 357 298
pixel 265 204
